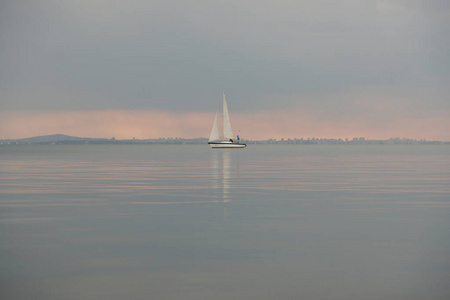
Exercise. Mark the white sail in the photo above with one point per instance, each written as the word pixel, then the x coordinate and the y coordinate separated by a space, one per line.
pixel 224 139
pixel 227 131
pixel 215 135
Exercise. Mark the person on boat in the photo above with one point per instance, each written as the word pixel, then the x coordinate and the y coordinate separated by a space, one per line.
pixel 231 140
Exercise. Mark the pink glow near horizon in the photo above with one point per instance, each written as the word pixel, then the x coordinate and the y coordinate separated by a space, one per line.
pixel 126 124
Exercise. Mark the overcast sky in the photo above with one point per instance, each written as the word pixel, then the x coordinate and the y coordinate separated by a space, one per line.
pixel 371 68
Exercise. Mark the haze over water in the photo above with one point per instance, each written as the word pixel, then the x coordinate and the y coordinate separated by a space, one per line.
pixel 188 222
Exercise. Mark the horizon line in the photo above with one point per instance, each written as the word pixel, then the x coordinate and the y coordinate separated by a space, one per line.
pixel 358 138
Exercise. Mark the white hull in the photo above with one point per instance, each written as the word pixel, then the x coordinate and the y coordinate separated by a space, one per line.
pixel 227 145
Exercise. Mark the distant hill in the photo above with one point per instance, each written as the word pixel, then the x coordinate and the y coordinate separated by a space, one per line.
pixel 46 139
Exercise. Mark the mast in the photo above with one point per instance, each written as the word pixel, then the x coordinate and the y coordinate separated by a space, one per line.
pixel 227 131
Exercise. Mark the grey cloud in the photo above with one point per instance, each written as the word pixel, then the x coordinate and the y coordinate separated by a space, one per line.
pixel 179 55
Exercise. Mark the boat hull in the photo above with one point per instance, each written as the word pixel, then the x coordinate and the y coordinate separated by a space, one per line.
pixel 219 145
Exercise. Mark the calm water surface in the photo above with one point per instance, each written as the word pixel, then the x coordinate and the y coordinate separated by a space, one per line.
pixel 188 222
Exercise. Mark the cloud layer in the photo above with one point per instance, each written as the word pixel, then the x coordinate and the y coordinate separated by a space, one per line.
pixel 382 61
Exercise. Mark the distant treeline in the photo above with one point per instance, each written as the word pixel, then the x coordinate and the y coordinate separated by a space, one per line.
pixel 61 139
pixel 354 141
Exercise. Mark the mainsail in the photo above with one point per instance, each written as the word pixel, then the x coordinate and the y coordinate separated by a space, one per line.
pixel 227 131
pixel 226 128
pixel 215 134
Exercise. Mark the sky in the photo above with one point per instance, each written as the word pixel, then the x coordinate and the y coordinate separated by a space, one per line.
pixel 150 69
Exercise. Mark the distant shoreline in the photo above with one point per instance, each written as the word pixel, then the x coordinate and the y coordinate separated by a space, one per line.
pixel 61 139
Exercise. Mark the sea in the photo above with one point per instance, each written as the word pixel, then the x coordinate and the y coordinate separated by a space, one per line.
pixel 81 222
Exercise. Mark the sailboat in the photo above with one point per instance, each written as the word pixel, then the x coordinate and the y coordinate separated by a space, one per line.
pixel 224 139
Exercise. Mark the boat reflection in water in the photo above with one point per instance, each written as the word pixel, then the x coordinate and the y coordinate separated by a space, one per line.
pixel 221 174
